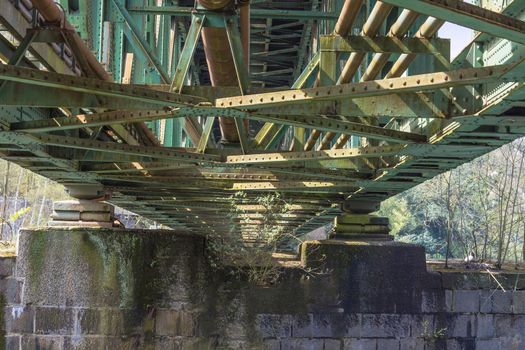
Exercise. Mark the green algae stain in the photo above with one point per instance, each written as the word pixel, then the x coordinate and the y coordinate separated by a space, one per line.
pixel 37 255
pixel 2 323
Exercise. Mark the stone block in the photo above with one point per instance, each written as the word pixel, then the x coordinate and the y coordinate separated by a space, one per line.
pixel 237 344
pixel 11 288
pixel 485 326
pixel 518 302
pixel 271 344
pixel 487 344
pixel 422 325
pixel 87 321
pixel 359 344
pixel 466 301
pixel 335 325
pixel 515 342
pixel 461 326
pixel 460 344
pixel 19 319
pixel 53 320
pixel 433 344
pixel 302 326
pixel 175 323
pixel 431 301
pixel 411 344
pixel 332 344
pixel 166 322
pixel 111 322
pixel 7 267
pixel 13 342
pixel 503 326
pixel 496 301
pixel 126 342
pixel 385 326
pixel 85 343
pixel 388 344
pixel 274 326
pixel 353 325
pixel 172 343
pixel 195 343
pixel 81 205
pixel 301 344
pixel 35 342
pixel 449 300
pixel 327 325
pixel 502 302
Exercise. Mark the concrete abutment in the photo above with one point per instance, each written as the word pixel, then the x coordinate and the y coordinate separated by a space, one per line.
pixel 86 288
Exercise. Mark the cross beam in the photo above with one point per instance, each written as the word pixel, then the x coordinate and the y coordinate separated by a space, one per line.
pixel 95 86
pixel 414 83
pixel 468 15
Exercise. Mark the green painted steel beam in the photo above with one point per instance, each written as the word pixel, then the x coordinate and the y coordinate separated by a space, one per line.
pixel 414 83
pixel 404 105
pixel 243 77
pixel 90 120
pixel 344 127
pixel 254 12
pixel 94 86
pixel 51 97
pixel 112 147
pixel 268 135
pixel 364 152
pixel 121 117
pixel 383 44
pixel 468 15
pixel 141 42
pixel 186 55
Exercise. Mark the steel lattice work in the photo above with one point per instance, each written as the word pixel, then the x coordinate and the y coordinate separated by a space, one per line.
pixel 173 106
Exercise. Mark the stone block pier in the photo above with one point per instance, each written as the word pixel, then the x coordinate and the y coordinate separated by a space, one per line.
pixel 129 289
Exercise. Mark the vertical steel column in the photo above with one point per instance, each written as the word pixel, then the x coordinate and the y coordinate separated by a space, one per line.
pixel 343 27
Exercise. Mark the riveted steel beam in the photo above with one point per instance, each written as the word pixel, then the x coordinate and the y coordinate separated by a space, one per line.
pixel 320 123
pixel 143 45
pixel 468 15
pixel 90 120
pixel 404 105
pixel 113 147
pixel 415 83
pixel 383 44
pixel 334 125
pixel 94 86
pixel 254 12
pixel 36 96
pixel 293 185
pixel 269 132
pixel 365 152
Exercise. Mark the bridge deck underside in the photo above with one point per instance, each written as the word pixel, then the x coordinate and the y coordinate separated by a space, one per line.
pixel 332 116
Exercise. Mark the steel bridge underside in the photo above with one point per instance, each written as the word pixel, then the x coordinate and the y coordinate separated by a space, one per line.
pixel 332 101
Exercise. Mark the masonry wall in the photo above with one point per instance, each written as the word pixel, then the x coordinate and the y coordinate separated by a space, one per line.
pixel 122 289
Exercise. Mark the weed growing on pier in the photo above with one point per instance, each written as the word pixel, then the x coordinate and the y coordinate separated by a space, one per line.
pixel 250 252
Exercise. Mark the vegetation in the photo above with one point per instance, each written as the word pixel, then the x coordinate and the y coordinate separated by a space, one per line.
pixel 250 252
pixel 26 200
pixel 477 209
